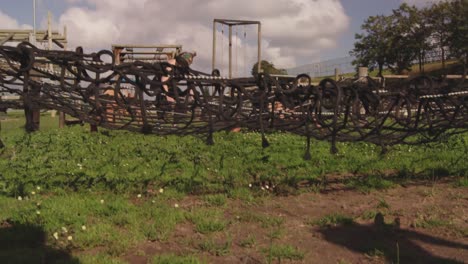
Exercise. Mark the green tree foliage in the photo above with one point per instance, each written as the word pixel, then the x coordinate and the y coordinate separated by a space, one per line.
pixel 371 48
pixel 458 40
pixel 408 37
pixel 438 21
pixel 408 33
pixel 267 67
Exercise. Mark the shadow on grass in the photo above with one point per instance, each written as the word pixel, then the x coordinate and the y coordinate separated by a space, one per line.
pixel 381 181
pixel 27 244
pixel 382 243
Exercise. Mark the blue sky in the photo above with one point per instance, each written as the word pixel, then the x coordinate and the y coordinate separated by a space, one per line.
pixel 337 22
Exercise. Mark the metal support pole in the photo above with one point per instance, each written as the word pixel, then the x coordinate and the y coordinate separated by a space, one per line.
pixel 214 46
pixel 259 47
pixel 34 21
pixel 62 117
pixel 230 51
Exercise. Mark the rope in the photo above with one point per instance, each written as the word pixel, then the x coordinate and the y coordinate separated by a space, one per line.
pixel 235 58
pixel 344 111
pixel 244 51
pixel 222 47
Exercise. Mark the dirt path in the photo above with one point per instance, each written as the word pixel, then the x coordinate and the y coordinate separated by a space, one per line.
pixel 422 223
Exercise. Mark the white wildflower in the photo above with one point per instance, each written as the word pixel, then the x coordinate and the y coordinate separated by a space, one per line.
pixel 56 235
pixel 102 201
pixel 64 229
pixel 33 193
pixel 38 212
pixel 139 195
pixel 161 190
pixel 83 227
pixel 69 238
pixel 20 198
pixel 38 188
pixel 176 205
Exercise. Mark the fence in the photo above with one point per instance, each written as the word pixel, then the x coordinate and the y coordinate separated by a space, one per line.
pixel 325 68
pixel 345 65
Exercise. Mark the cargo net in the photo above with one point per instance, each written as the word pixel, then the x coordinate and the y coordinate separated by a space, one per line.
pixel 165 99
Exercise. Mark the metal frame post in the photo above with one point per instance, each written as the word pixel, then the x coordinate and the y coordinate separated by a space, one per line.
pixel 231 23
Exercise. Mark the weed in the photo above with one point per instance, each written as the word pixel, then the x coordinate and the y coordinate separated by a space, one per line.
pixel 249 242
pixel 376 253
pixel 369 215
pixel 382 204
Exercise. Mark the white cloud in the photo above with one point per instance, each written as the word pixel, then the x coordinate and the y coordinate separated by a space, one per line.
pixel 290 28
pixel 8 22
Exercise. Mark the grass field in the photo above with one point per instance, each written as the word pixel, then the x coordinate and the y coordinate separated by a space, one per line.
pixel 71 196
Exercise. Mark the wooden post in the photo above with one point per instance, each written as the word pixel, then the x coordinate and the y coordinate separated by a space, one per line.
pixel 363 72
pixel 62 116
pixel 29 115
pixel 337 74
pixel 61 119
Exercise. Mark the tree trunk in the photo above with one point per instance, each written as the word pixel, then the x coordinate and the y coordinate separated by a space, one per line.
pixel 380 70
pixel 443 57
pixel 420 62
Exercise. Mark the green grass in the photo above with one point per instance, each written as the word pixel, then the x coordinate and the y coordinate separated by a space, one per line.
pixel 207 220
pixel 215 247
pixel 432 222
pixel 174 259
pixel 333 220
pixel 73 159
pixel 99 258
pixel 116 224
pixel 370 183
pixel 62 176
pixel 280 252
pixel 265 221
pixel 462 182
pixel 369 215
pixel 217 200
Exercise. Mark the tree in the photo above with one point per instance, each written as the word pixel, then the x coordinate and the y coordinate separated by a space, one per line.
pixel 458 39
pixel 267 67
pixel 372 47
pixel 407 37
pixel 438 21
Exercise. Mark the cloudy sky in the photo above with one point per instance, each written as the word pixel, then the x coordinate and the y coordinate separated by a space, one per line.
pixel 294 32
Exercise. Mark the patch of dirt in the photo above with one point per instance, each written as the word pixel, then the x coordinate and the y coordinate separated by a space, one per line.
pixel 422 223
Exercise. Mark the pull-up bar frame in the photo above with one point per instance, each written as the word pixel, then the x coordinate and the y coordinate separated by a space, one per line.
pixel 231 23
